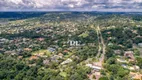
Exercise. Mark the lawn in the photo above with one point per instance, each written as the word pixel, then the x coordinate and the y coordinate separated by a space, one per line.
pixel 42 52
pixel 64 74
pixel 84 35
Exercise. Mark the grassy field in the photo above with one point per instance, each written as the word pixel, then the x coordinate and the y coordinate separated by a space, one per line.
pixel 42 52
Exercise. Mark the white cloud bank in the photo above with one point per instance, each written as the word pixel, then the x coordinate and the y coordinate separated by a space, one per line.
pixel 71 5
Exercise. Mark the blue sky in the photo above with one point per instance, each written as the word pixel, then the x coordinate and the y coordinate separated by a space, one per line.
pixel 71 5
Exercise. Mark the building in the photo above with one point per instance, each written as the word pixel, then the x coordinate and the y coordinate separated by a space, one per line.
pixel 124 66
pixel 27 49
pixel 110 44
pixel 46 62
pixel 10 52
pixel 95 67
pixel 33 57
pixel 40 39
pixel 60 55
pixel 67 61
pixel 94 75
pixel 140 45
pixel 122 60
pixel 51 50
pixel 129 54
pixel 134 68
pixel 117 52
pixel 55 58
pixel 135 76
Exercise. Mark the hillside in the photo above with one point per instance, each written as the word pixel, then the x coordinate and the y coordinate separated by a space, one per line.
pixel 70 46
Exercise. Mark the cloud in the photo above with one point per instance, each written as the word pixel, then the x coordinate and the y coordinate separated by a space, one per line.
pixel 70 5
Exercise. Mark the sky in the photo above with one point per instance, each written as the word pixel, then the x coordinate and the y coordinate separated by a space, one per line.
pixel 72 5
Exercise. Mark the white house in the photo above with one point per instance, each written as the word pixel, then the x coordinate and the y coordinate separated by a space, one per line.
pixel 140 45
pixel 67 61
pixel 122 60
pixel 96 68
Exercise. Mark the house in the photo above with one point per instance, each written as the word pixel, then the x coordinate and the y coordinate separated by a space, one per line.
pixel 124 66
pixel 97 75
pixel 109 32
pixel 109 38
pixel 117 52
pixel 20 57
pixel 1 49
pixel 138 25
pixel 94 76
pixel 67 61
pixel 95 67
pixel 140 45
pixel 54 58
pixel 51 49
pixel 46 62
pixel 4 40
pixel 110 44
pixel 10 52
pixel 97 64
pixel 27 49
pixel 30 65
pixel 122 60
pixel 40 39
pixel 60 55
pixel 65 51
pixel 33 58
pixel 129 54
pixel 135 76
pixel 135 31
pixel 134 68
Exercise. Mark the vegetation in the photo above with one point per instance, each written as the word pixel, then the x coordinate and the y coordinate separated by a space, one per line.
pixel 65 46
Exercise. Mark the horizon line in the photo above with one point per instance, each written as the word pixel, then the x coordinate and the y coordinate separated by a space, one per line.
pixel 78 11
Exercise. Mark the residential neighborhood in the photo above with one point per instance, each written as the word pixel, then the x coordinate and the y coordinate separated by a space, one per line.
pixel 71 46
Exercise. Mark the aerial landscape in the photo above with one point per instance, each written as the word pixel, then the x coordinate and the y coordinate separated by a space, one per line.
pixel 70 44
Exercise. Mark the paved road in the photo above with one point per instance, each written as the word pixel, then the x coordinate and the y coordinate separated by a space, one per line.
pixel 99 42
pixel 102 47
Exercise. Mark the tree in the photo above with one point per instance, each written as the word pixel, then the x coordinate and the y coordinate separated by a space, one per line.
pixel 19 66
pixel 111 61
pixel 139 62
pixel 103 78
pixel 113 68
pixel 137 52
pixel 109 53
pixel 76 76
pixel 122 72
pixel 94 77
